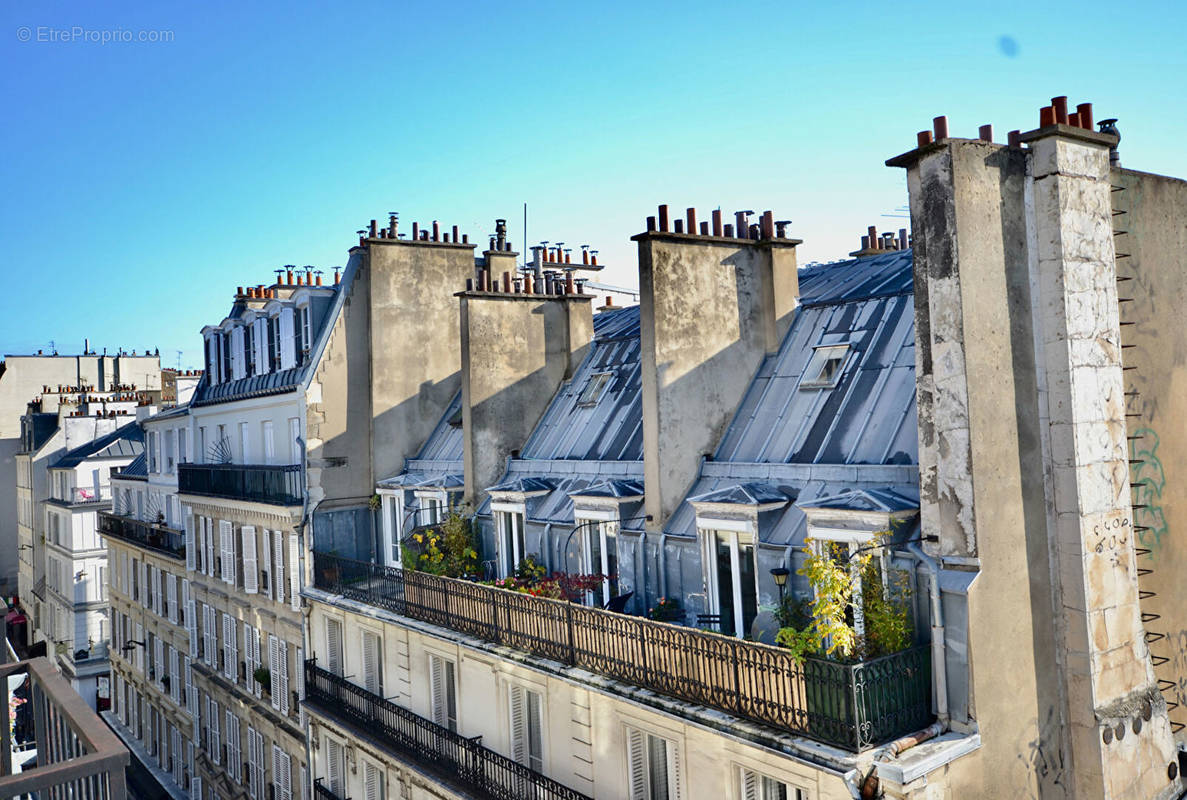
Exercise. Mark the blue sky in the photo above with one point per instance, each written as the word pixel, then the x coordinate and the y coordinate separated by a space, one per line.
pixel 143 182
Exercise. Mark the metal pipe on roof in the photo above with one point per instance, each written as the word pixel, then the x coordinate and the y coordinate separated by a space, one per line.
pixel 939 666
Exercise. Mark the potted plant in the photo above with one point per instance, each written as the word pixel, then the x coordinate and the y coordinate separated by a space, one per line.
pixel 263 678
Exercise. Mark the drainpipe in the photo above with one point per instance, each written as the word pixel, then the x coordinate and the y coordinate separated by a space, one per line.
pixel 939 665
pixel 662 560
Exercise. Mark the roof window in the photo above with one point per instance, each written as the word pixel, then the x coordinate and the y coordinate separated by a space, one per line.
pixel 824 370
pixel 593 388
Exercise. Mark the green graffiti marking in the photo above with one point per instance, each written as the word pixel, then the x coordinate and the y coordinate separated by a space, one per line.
pixel 1149 481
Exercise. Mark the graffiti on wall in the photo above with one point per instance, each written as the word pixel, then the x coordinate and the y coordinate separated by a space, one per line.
pixel 1149 480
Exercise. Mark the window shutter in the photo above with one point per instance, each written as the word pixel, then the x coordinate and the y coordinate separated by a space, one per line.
pixel 227 550
pixel 287 359
pixel 143 585
pixel 372 664
pixel 253 763
pixel 212 721
pixel 249 657
pixel 749 784
pixel 535 722
pixel 174 677
pixel 233 659
pixel 278 572
pixel 437 690
pixel 673 771
pixel 281 774
pixel 234 766
pixel 171 595
pixel 282 650
pixel 176 736
pixel 304 781
pixel 334 646
pixel 158 659
pixel 257 658
pixel 300 662
pixel 196 788
pixel 637 763
pixel 191 619
pixel 372 781
pixel 518 714
pixel 251 570
pixel 273 662
pixel 294 572
pixel 334 751
pixel 209 524
pixel 195 713
pixel 156 593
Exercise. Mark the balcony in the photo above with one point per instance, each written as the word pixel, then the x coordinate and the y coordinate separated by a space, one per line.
pixel 854 706
pixel 82 496
pixel 77 755
pixel 157 538
pixel 453 758
pixel 321 792
pixel 276 485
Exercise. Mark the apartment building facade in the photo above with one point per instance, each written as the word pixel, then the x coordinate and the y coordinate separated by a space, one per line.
pixel 940 393
pixel 23 378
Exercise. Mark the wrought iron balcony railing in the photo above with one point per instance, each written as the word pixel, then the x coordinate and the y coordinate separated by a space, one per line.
pixel 278 485
pixel 158 538
pixel 855 706
pixel 77 755
pixel 453 758
pixel 322 792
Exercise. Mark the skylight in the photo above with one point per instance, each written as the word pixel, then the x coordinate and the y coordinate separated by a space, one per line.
pixel 824 370
pixel 593 388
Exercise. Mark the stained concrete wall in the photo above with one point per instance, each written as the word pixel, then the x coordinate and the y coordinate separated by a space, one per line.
pixel 517 349
pixel 415 343
pixel 1020 435
pixel 710 308
pixel 1152 212
pixel 978 420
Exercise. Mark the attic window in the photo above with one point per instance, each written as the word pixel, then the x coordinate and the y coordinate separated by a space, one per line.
pixel 593 388
pixel 824 370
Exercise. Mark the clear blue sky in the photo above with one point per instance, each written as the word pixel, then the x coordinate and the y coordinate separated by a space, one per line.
pixel 142 182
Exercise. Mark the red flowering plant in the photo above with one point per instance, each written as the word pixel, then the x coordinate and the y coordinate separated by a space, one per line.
pixel 531 577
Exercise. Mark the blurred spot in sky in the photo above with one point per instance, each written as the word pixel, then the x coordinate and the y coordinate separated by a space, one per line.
pixel 1008 45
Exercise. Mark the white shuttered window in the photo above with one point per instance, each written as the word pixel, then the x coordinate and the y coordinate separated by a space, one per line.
pixel 654 767
pixel 251 570
pixel 526 718
pixel 226 534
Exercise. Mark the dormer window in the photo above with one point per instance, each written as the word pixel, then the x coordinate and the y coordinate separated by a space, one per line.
pixel 593 388
pixel 824 370
pixel 249 361
pixel 304 334
pixel 225 342
pixel 273 344
pixel 509 522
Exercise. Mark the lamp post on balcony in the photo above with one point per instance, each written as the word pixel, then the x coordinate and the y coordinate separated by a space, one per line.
pixel 780 575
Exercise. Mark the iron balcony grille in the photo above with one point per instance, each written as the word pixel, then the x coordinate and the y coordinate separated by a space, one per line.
pixel 278 485
pixel 854 706
pixel 322 792
pixel 453 758
pixel 143 534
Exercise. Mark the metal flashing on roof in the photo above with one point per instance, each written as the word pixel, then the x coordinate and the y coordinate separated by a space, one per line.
pixel 743 494
pixel 619 490
pixel 126 441
pixel 885 500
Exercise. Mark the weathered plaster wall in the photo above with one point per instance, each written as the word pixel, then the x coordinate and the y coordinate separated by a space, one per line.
pixel 516 351
pixel 711 309
pixel 979 450
pixel 1152 210
pixel 415 344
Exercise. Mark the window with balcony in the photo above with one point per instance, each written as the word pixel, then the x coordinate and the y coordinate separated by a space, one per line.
pixel 653 765
pixel 393 510
pixel 728 560
pixel 334 646
pixel 509 524
pixel 599 556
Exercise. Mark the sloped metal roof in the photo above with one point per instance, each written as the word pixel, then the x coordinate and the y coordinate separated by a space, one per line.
pixel 614 489
pixel 887 500
pixel 856 438
pixel 446 442
pixel 743 494
pixel 136 468
pixel 611 427
pixel 286 380
pixel 124 442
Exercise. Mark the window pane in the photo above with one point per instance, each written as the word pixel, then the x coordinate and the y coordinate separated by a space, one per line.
pixel 657 768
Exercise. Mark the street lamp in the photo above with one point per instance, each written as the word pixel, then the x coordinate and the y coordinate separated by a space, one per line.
pixel 780 575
